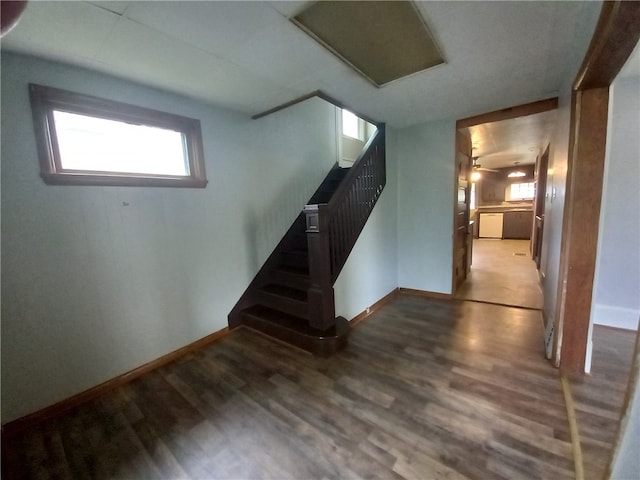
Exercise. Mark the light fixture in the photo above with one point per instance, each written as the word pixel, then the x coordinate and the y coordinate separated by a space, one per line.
pixel 475 176
pixel 516 174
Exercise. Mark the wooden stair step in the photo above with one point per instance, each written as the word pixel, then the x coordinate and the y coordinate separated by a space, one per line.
pixel 330 184
pixel 295 277
pixel 285 291
pixel 295 258
pixel 286 299
pixel 296 331
pixel 299 241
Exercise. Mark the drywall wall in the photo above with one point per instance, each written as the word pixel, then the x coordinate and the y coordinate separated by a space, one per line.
pixel 553 214
pixel 616 287
pixel 370 272
pixel 426 171
pixel 99 280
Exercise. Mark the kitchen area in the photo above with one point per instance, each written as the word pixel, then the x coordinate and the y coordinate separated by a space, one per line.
pixel 502 269
pixel 504 203
pixel 508 164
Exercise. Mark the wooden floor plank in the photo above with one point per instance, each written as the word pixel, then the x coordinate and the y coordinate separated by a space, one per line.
pixel 425 389
pixel 598 397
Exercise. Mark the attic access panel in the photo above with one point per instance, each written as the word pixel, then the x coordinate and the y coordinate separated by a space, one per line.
pixel 384 41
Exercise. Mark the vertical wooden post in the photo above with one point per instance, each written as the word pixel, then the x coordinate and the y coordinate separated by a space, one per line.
pixel 580 229
pixel 320 297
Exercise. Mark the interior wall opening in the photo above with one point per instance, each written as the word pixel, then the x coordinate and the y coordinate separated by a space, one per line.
pixel 507 191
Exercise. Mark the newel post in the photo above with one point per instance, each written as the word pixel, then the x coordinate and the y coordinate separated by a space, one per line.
pixel 322 313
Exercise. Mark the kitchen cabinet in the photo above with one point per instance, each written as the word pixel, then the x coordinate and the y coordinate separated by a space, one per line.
pixel 517 225
pixel 492 191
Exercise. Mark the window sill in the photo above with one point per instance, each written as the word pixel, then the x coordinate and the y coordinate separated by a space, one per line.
pixel 122 181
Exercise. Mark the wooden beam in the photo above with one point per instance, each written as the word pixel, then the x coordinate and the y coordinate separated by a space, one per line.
pixel 580 230
pixel 509 113
pixel 616 35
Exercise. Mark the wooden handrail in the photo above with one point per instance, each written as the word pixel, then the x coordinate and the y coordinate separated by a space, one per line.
pixel 355 170
pixel 351 205
pixel 334 227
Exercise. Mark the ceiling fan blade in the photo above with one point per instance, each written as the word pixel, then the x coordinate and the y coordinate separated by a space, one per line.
pixel 486 169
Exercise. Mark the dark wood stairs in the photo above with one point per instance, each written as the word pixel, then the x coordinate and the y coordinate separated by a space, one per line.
pixel 278 300
pixel 292 298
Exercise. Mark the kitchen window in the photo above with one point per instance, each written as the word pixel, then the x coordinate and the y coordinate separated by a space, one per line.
pixel 521 191
pixel 84 140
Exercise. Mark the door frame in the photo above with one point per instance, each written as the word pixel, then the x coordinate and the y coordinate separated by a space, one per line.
pixel 613 41
pixel 495 116
pixel 462 179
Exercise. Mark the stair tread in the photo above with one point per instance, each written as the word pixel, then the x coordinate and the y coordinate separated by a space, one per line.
pixel 286 291
pixel 301 271
pixel 286 321
pixel 296 251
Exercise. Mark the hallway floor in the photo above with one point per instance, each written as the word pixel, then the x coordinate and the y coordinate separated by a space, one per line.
pixel 503 272
pixel 424 389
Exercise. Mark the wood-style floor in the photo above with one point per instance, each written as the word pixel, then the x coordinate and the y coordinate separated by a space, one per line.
pixel 599 397
pixel 425 389
pixel 502 272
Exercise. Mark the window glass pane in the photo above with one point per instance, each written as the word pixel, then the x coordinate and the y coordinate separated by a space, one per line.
pixel 522 191
pixel 101 145
pixel 350 124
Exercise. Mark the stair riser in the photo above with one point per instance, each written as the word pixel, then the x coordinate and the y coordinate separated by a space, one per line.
pixel 299 242
pixel 290 280
pixel 294 259
pixel 284 304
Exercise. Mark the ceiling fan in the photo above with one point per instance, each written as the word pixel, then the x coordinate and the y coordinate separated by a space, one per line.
pixel 479 168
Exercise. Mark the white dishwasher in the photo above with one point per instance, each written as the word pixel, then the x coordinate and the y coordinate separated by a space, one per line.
pixel 490 225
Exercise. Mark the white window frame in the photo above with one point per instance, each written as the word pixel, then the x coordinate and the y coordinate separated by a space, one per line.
pixel 519 189
pixel 47 100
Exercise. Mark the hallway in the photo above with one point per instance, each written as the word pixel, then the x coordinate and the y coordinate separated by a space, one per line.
pixel 502 272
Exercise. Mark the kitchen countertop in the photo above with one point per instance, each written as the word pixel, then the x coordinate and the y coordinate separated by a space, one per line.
pixel 516 207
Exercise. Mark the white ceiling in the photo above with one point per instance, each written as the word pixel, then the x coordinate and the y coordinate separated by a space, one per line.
pixel 522 139
pixel 248 56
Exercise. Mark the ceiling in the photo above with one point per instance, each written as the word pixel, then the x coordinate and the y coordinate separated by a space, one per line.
pixel 249 57
pixel 501 144
pixel 522 139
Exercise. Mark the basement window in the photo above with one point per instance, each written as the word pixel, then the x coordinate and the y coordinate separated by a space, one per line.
pixel 84 140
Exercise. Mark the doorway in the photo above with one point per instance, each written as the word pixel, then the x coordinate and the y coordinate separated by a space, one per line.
pixel 507 190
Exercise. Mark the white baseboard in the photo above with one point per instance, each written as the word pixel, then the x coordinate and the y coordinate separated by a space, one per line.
pixel 617 317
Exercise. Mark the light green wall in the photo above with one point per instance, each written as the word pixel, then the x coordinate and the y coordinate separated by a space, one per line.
pixel 99 280
pixel 426 167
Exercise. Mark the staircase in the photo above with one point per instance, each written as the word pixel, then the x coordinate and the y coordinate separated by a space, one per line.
pixel 291 297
